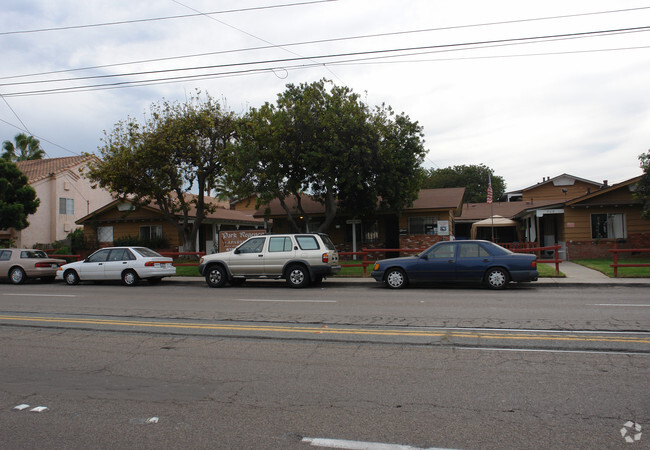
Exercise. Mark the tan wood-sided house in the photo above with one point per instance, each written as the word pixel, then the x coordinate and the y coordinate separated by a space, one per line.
pixel 122 219
pixel 428 220
pixel 597 220
pixel 65 195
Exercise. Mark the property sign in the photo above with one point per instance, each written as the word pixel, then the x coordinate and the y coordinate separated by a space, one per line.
pixel 228 240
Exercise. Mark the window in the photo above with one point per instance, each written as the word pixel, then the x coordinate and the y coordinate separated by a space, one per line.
pixel 105 234
pixel 442 251
pixel 471 250
pixel 423 225
pixel 280 244
pixel 307 242
pixel 33 254
pixel 66 206
pixel 99 256
pixel 149 232
pixel 121 254
pixel 5 255
pixel 252 246
pixel 607 226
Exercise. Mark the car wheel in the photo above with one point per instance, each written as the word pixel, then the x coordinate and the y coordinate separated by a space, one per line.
pixel 297 276
pixel 130 278
pixel 396 279
pixel 17 275
pixel 216 276
pixel 497 278
pixel 71 278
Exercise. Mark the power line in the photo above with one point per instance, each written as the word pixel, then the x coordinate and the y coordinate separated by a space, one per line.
pixel 154 19
pixel 399 52
pixel 42 139
pixel 319 41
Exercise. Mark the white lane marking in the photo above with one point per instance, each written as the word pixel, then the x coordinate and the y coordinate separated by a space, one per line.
pixel 359 445
pixel 283 301
pixel 616 304
pixel 533 330
pixel 41 295
pixel 539 350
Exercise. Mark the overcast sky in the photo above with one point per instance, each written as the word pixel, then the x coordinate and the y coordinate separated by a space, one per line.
pixel 571 101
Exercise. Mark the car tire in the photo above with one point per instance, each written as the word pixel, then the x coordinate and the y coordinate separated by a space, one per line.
pixel 17 275
pixel 216 276
pixel 71 278
pixel 497 278
pixel 395 279
pixel 130 278
pixel 297 276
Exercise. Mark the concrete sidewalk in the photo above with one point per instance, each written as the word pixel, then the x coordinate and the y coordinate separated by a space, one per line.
pixel 580 275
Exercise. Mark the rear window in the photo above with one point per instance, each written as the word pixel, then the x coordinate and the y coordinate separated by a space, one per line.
pixel 5 255
pixel 146 252
pixel 32 254
pixel 307 242
pixel 327 241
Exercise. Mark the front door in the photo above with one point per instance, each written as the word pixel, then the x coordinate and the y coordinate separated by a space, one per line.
pixel 438 264
pixel 93 267
pixel 248 258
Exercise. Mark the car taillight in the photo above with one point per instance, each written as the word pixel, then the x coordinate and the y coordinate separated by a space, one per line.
pixel 43 264
pixel 201 260
pixel 533 264
pixel 326 257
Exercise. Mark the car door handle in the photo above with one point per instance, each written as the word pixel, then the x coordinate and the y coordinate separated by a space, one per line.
pixel 260 256
pixel 486 260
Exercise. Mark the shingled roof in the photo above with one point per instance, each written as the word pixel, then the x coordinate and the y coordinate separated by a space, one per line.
pixel 39 169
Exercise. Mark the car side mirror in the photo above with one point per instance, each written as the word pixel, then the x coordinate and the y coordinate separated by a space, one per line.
pixel 237 251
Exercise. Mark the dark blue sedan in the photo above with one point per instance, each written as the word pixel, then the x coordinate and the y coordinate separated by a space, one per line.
pixel 458 261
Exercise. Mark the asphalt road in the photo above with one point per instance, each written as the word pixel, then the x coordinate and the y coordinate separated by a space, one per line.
pixel 342 365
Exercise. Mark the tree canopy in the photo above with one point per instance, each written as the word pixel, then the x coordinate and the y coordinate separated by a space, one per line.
pixel 322 140
pixel 25 148
pixel 17 197
pixel 643 186
pixel 176 151
pixel 474 178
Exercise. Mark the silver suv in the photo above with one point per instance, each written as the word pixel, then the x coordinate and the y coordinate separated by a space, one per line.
pixel 300 259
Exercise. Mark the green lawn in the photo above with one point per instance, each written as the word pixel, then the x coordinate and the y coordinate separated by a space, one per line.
pixel 602 265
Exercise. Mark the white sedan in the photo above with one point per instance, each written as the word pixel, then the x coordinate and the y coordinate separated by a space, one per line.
pixel 129 264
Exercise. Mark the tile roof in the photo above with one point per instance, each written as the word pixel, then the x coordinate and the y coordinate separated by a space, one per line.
pixel 38 169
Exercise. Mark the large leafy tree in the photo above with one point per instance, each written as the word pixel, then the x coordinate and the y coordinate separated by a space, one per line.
pixel 25 148
pixel 176 152
pixel 643 186
pixel 17 197
pixel 474 178
pixel 322 140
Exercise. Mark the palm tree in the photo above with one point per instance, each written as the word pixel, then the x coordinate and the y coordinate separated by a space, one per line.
pixel 26 148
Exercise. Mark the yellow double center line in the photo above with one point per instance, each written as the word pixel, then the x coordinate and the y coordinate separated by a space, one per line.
pixel 449 334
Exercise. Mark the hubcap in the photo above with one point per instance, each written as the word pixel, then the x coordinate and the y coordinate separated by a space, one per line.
pixel 395 279
pixel 17 276
pixel 129 278
pixel 297 276
pixel 497 279
pixel 70 278
pixel 215 276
